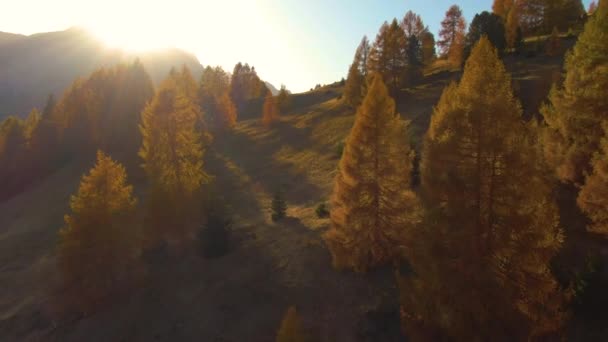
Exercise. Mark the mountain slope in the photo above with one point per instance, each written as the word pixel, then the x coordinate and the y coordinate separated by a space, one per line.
pixel 32 67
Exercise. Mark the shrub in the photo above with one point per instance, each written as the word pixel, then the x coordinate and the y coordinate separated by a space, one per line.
pixel 322 211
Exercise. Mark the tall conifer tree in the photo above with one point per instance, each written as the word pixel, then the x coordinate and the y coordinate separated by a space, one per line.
pixel 372 204
pixel 481 260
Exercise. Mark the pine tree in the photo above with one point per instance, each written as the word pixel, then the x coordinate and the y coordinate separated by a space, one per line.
pixel 278 206
pixel 172 153
pixel 291 328
pixel 452 35
pixel 577 108
pixel 372 207
pixel 593 197
pixel 489 25
pixel 481 259
pixel 271 111
pixel 99 245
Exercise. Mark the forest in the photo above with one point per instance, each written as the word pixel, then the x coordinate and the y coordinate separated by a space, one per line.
pixel 449 188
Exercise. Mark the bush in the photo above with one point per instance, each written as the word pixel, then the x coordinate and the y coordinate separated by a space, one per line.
pixel 322 211
pixel 214 236
pixel 278 206
pixel 339 149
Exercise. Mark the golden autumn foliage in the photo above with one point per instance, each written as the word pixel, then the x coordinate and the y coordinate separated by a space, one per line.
pixel 270 112
pixel 372 204
pixel 452 35
pixel 578 107
pixel 388 56
pixel 214 97
pixel 355 86
pixel 291 328
pixel 593 197
pixel 172 153
pixel 99 245
pixel 481 259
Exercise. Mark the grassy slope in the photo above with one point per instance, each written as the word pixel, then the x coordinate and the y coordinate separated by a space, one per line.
pixel 243 295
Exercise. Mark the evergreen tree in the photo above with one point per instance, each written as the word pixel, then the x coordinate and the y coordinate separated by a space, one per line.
pixel 452 35
pixel 577 108
pixel 172 153
pixel 428 48
pixel 489 25
pixel 278 206
pixel 372 206
pixel 271 110
pixel 99 245
pixel 291 328
pixel 481 260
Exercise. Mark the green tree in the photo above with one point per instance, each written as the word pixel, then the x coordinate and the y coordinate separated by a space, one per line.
pixel 278 206
pixel 481 259
pixel 576 109
pixel 489 25
pixel 372 206
pixel 99 245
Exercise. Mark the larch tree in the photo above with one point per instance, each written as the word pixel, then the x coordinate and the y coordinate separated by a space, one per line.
pixel 172 153
pixel 270 112
pixel 99 245
pixel 356 81
pixel 578 107
pixel 219 111
pixel 593 197
pixel 414 30
pixel 284 99
pixel 388 56
pixel 592 7
pixel 291 328
pixel 452 35
pixel 481 259
pixel 372 204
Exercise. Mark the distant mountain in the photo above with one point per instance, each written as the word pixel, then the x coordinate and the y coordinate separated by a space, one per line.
pixel 272 88
pixel 32 67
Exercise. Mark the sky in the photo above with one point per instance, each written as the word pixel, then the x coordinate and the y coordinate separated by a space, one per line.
pixel 298 43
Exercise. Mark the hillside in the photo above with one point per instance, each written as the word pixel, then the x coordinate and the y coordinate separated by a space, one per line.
pixel 241 296
pixel 32 67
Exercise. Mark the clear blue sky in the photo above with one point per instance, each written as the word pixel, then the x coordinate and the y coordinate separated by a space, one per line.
pixel 295 42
